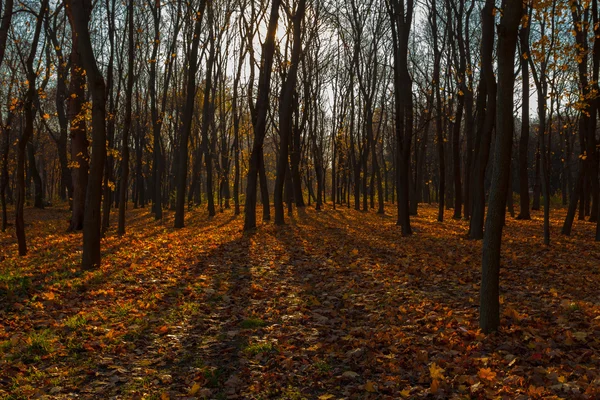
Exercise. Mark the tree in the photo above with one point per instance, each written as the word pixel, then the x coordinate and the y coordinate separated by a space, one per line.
pixel 127 121
pixel 79 16
pixel 286 108
pixel 28 110
pixel 259 120
pixel 489 312
pixel 524 212
pixel 187 115
pixel 486 117
pixel 401 20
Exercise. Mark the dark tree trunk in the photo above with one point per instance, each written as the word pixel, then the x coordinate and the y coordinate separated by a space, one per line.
pixel 259 120
pixel 110 128
pixel 79 143
pixel 486 116
pixel 438 112
pixel 79 16
pixel 489 316
pixel 127 121
pixel 5 141
pixel 207 115
pixel 29 112
pixel 186 123
pixel 524 141
pixel 401 18
pixel 286 102
pixel 537 182
pixel 38 194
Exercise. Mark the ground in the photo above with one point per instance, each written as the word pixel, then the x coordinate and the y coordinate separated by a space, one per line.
pixel 336 304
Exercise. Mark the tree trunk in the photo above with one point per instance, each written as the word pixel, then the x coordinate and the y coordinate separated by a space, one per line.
pixel 286 102
pixel 524 141
pixel 186 123
pixel 27 132
pixel 127 122
pixel 489 317
pixel 79 15
pixel 79 143
pixel 259 121
pixel 38 195
pixel 207 115
pixel 486 117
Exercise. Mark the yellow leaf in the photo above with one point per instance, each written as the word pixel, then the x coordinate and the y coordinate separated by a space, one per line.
pixel 405 393
pixel 355 252
pixel 326 396
pixel 436 371
pixel 194 389
pixel 370 387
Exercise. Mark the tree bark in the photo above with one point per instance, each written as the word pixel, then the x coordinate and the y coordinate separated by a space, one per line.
pixel 524 212
pixel 186 123
pixel 489 317
pixel 79 15
pixel 259 120
pixel 29 112
pixel 127 121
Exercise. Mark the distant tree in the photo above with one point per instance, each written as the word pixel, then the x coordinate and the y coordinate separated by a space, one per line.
pixel 28 110
pixel 127 119
pixel 187 115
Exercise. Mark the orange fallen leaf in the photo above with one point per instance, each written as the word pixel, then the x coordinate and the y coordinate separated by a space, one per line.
pixel 487 374
pixel 163 329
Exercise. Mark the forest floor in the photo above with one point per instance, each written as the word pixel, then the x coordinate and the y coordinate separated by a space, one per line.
pixel 336 304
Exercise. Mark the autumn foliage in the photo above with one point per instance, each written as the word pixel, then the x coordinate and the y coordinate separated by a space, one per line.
pixel 334 305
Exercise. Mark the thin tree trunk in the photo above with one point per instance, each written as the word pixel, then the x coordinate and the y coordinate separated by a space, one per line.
pixel 127 122
pixel 489 316
pixel 187 116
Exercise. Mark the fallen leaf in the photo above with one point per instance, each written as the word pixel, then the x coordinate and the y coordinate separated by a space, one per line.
pixel 194 389
pixel 487 374
pixel 436 372
pixel 370 387
pixel 349 375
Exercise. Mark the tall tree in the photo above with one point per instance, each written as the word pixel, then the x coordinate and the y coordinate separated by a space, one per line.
pixel 28 110
pixel 286 109
pixel 259 120
pixel 486 117
pixel 489 305
pixel 187 116
pixel 127 120
pixel 524 212
pixel 401 13
pixel 79 16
